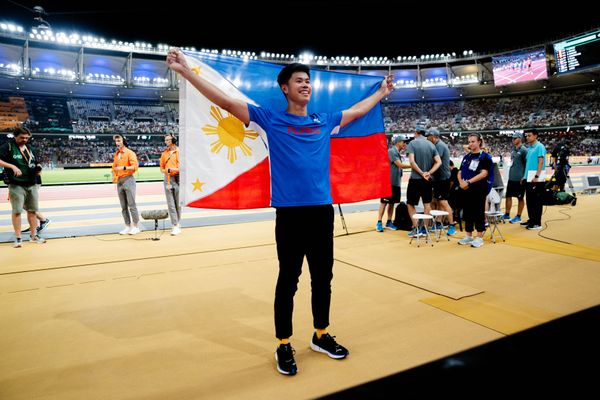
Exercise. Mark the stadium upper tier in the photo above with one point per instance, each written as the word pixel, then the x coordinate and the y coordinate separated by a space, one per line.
pixel 45 62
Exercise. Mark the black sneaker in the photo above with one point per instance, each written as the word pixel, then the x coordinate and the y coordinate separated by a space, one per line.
pixel 285 359
pixel 525 223
pixel 327 344
pixel 43 225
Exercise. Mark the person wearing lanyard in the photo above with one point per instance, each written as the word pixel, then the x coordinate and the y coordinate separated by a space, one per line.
pixel 473 179
pixel 20 170
pixel 125 164
pixel 169 166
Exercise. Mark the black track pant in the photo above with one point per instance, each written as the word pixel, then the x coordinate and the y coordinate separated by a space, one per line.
pixel 474 207
pixel 534 192
pixel 303 231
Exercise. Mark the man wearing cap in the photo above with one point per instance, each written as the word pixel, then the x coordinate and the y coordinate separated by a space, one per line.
pixel 441 177
pixel 424 161
pixel 396 165
pixel 514 188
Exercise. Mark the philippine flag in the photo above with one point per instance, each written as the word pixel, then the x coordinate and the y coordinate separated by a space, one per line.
pixel 225 164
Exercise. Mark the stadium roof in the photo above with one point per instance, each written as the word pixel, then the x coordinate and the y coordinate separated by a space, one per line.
pixel 331 28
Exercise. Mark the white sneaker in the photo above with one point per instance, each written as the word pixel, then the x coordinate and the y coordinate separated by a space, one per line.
pixel 466 240
pixel 134 231
pixel 176 230
pixel 125 231
pixel 37 239
pixel 477 242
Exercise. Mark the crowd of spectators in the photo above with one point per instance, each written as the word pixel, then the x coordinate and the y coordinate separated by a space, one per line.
pixel 104 117
pixel 60 150
pixel 565 108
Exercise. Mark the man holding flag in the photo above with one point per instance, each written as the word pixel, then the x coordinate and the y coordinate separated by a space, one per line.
pixel 299 156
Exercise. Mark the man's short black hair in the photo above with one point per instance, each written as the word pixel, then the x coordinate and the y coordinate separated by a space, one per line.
pixel 532 130
pixel 286 73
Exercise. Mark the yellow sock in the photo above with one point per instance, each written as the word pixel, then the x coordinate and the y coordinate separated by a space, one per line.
pixel 321 332
pixel 284 341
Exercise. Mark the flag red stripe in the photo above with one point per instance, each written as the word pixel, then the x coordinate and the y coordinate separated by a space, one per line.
pixel 252 189
pixel 360 168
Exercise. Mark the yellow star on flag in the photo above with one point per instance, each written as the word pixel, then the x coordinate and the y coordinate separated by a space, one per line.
pixel 196 70
pixel 197 185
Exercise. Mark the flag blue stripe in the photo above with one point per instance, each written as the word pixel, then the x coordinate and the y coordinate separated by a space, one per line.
pixel 336 91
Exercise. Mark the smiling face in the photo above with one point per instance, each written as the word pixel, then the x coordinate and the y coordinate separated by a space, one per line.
pixel 298 88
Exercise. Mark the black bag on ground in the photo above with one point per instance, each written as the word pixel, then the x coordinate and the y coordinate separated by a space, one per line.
pixel 552 198
pixel 402 218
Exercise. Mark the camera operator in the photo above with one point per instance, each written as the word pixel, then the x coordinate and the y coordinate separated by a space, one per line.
pixel 560 163
pixel 20 171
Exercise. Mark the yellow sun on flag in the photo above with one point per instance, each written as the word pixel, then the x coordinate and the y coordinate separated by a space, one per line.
pixel 231 132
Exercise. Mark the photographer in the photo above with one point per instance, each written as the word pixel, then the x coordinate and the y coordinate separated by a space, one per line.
pixel 560 163
pixel 20 171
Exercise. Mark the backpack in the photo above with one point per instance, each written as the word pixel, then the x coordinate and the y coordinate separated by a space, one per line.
pixel 402 218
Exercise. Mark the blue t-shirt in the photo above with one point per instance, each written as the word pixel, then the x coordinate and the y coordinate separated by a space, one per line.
pixel 299 151
pixel 534 152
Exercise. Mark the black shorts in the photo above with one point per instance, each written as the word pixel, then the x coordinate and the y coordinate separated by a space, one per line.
pixel 515 189
pixel 441 189
pixel 418 189
pixel 394 198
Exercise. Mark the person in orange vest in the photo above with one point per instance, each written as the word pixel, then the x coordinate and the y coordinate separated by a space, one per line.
pixel 125 164
pixel 169 166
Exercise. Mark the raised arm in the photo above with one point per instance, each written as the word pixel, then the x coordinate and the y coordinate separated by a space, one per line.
pixel 364 106
pixel 176 61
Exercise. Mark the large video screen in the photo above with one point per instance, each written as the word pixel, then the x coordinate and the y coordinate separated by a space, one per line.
pixel 522 66
pixel 581 52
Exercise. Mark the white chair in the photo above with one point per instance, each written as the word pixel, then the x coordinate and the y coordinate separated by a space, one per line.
pixel 494 218
pixel 421 218
pixel 443 218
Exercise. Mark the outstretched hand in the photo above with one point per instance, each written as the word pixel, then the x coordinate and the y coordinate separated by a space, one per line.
pixel 388 85
pixel 176 60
